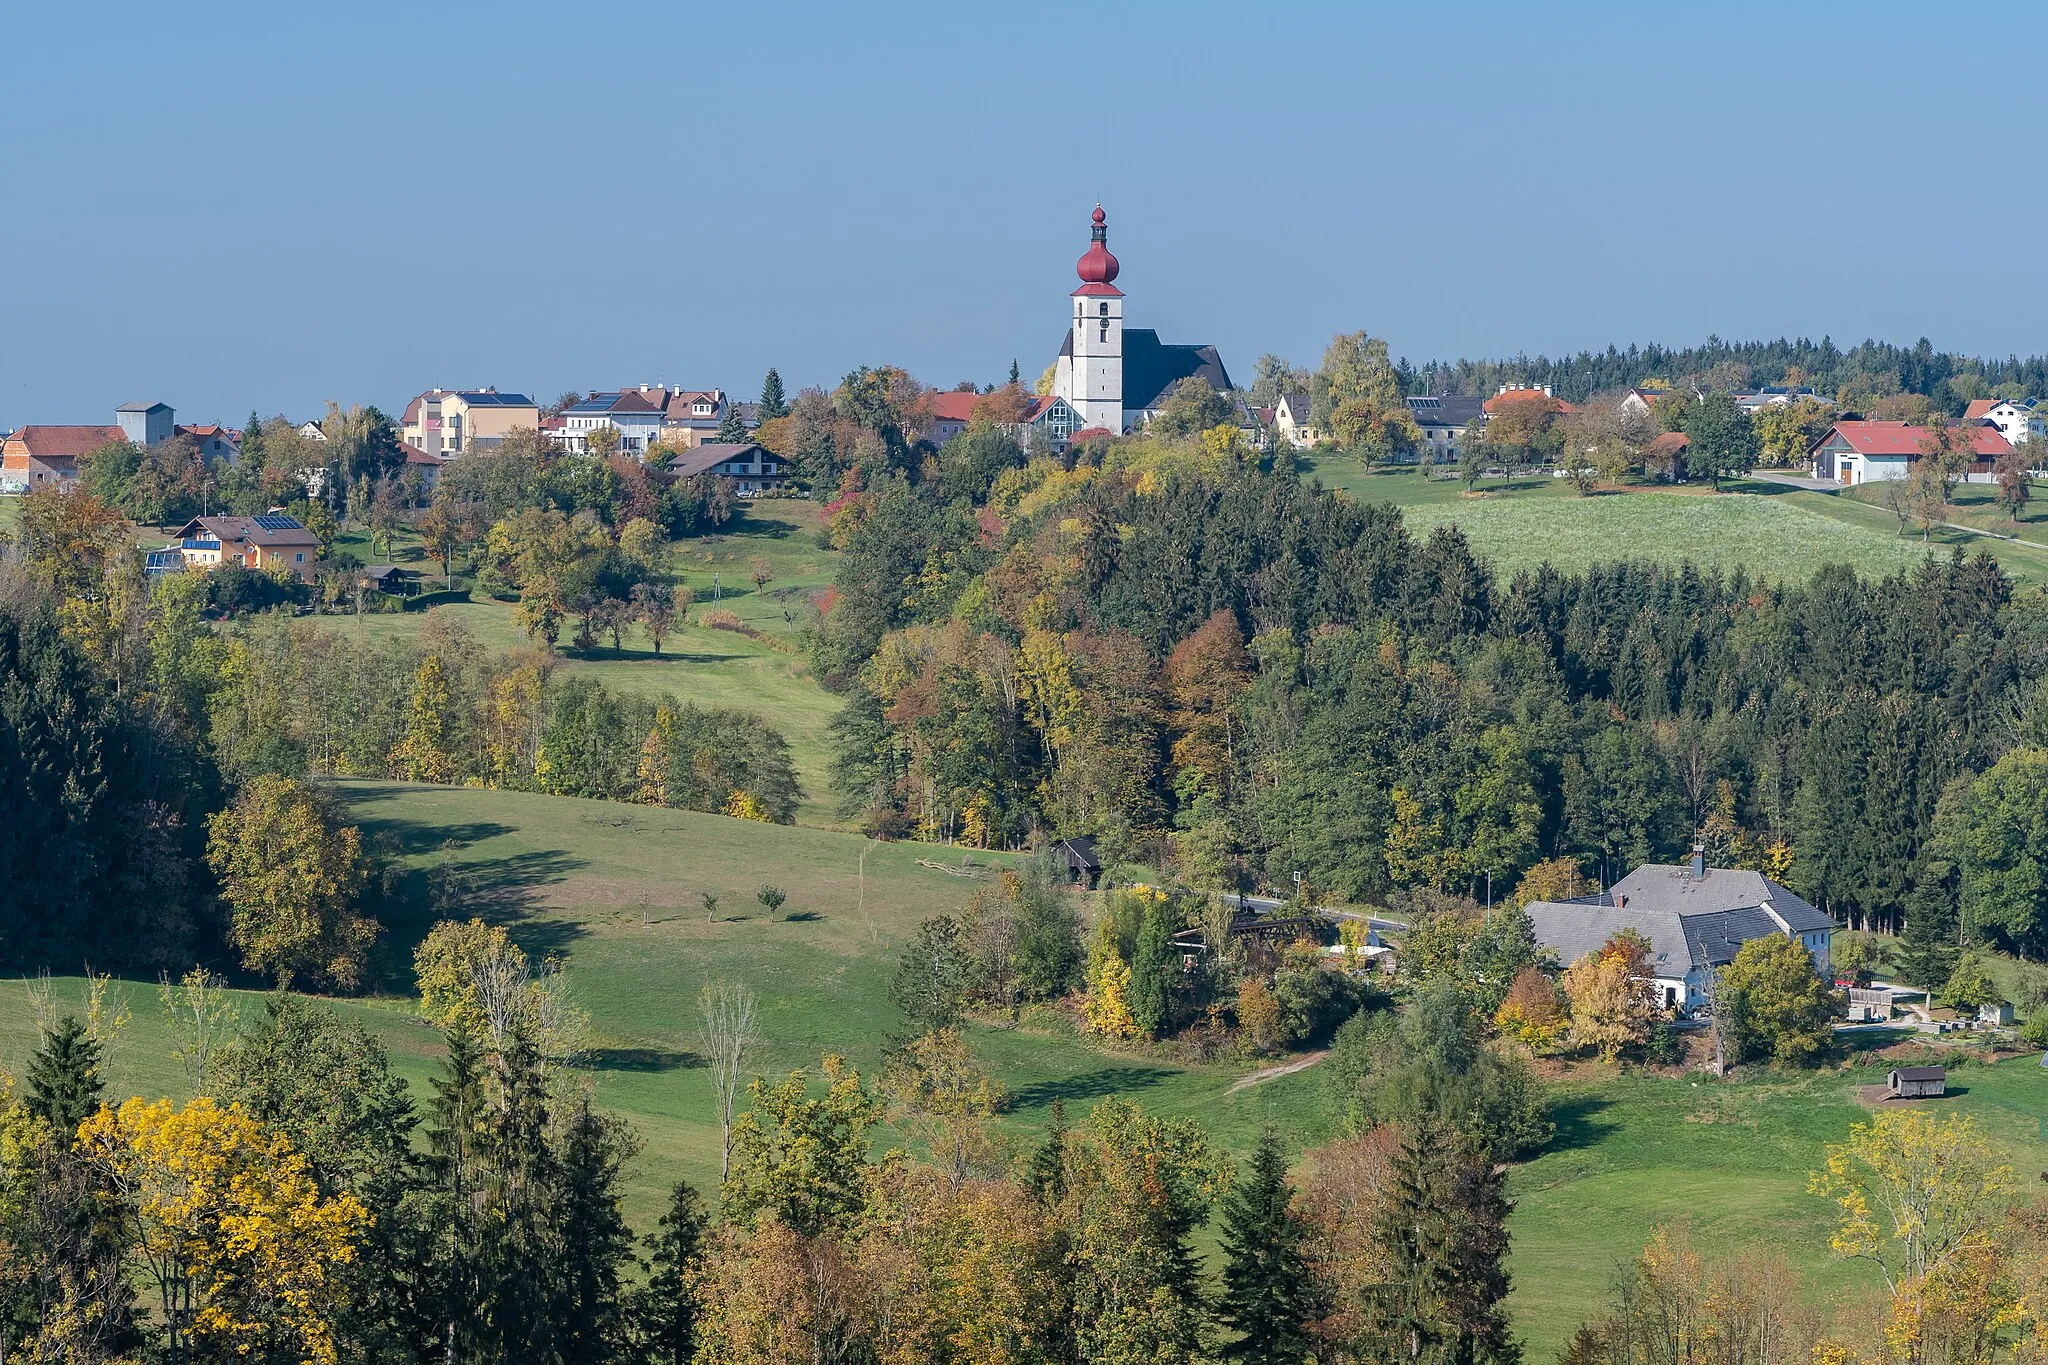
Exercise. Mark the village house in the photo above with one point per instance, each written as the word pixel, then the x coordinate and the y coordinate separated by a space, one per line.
pixel 450 421
pixel 1695 917
pixel 273 540
pixel 637 415
pixel 1047 416
pixel 1444 420
pixel 43 456
pixel 1873 452
pixel 2019 422
pixel 754 468
pixel 1291 421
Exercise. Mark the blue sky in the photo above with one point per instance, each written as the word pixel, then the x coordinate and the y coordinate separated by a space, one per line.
pixel 236 206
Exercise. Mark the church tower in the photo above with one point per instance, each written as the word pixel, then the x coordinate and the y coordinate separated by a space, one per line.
pixel 1093 377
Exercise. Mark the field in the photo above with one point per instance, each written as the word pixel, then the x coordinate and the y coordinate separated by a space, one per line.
pixel 712 667
pixel 1767 528
pixel 617 890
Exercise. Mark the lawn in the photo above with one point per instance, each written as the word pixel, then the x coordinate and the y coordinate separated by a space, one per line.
pixel 1768 528
pixel 713 667
pixel 616 890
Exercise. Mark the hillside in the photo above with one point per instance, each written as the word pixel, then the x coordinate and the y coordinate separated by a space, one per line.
pixel 617 891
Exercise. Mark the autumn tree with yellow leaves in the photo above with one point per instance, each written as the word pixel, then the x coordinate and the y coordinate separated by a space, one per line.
pixel 237 1239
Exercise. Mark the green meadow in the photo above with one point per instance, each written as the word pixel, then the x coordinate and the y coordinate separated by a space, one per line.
pixel 1769 529
pixel 617 891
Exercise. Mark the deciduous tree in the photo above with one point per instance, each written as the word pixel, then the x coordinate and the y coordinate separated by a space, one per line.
pixel 293 876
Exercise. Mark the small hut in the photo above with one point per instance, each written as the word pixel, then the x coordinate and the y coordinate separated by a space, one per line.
pixel 1918 1082
pixel 1081 862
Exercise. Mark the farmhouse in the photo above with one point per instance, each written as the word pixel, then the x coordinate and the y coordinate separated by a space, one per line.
pixel 1695 917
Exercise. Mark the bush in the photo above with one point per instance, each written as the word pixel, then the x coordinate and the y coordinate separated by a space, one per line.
pixel 427 601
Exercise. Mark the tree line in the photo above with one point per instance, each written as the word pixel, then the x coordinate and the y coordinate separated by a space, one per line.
pixel 1206 661
pixel 133 720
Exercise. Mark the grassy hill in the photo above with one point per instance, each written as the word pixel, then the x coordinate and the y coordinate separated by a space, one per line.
pixel 617 889
pixel 1767 528
pixel 761 672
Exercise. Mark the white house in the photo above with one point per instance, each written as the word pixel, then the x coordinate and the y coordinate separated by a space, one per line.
pixel 635 415
pixel 1695 917
pixel 2019 422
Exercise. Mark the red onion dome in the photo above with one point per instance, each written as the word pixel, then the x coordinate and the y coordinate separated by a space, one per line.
pixel 1098 266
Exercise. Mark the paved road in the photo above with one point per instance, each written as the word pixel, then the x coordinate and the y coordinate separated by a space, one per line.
pixel 1796 481
pixel 1264 903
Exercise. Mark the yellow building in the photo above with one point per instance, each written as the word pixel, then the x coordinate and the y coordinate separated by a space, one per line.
pixel 450 421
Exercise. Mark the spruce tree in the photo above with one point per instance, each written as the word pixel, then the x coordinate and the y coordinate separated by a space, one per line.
pixel 1265 1283
pixel 1049 1161
pixel 1927 949
pixel 732 428
pixel 455 1115
pixel 772 402
pixel 1014 373
pixel 64 1077
pixel 1152 969
pixel 666 1308
pixel 1444 1235
pixel 591 1236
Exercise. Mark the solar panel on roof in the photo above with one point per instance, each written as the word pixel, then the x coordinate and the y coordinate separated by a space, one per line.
pixel 274 523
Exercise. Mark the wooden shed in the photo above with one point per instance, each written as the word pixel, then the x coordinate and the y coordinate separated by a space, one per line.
pixel 1080 858
pixel 1918 1082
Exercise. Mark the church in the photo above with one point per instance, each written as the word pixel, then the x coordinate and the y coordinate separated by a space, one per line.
pixel 1114 378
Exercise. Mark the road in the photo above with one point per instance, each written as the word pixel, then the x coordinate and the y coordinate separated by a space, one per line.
pixel 1269 903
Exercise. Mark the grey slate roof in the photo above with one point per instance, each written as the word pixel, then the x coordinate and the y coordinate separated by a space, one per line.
pixel 1668 886
pixel 1152 368
pixel 1450 410
pixel 1689 923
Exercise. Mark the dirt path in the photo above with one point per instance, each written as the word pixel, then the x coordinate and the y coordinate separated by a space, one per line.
pixel 1272 1072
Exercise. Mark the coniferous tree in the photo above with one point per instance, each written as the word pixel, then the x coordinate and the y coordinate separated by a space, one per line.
pixel 773 404
pixel 1444 1233
pixel 1015 374
pixel 590 1230
pixel 1928 949
pixel 64 1077
pixel 732 427
pixel 1265 1281
pixel 1152 971
pixel 665 1309
pixel 455 1116
pixel 1049 1160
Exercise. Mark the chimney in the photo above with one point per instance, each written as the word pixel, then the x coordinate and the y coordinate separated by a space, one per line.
pixel 1699 863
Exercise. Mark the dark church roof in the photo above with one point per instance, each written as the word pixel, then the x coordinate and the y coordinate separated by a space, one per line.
pixel 1152 368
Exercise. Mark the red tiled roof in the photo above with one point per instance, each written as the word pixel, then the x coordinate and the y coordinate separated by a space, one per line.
pixel 1500 400
pixel 414 455
pixel 954 407
pixel 1037 406
pixel 634 401
pixel 1086 432
pixel 1897 439
pixel 1979 408
pixel 61 442
pixel 1670 443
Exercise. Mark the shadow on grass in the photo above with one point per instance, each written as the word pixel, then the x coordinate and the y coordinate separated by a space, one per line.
pixel 1578 1124
pixel 643 1059
pixel 602 654
pixel 802 917
pixel 1872 1040
pixel 1089 1085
